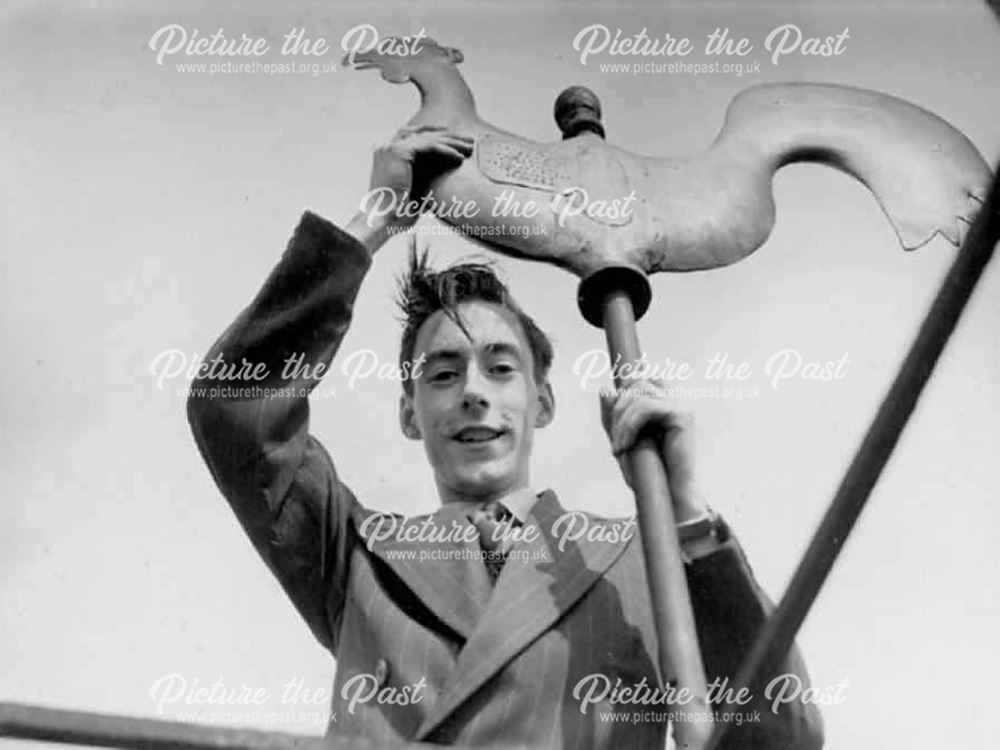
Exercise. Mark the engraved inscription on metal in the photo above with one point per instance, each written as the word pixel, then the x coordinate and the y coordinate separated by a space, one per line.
pixel 518 162
pixel 577 173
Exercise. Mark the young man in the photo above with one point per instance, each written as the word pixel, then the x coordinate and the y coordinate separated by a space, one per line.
pixel 442 632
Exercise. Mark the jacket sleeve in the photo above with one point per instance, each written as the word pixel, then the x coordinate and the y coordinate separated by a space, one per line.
pixel 249 411
pixel 730 608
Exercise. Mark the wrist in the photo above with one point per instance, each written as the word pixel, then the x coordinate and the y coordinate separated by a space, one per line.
pixel 689 503
pixel 372 232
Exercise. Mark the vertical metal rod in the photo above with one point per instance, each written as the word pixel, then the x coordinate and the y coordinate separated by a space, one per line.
pixel 679 655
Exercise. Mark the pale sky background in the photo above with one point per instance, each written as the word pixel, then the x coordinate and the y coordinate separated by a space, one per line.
pixel 142 207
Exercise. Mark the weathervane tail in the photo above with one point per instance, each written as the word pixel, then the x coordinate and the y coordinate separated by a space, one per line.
pixel 927 176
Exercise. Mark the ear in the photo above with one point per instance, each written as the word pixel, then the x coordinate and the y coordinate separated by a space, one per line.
pixel 546 405
pixel 408 418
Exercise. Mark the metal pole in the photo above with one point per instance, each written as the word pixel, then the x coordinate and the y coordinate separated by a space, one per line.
pixel 680 657
pixel 613 297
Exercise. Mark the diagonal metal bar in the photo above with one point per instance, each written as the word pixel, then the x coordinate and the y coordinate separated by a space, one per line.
pixel 23 721
pixel 776 637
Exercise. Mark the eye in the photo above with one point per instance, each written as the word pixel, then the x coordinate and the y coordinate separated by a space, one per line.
pixel 502 368
pixel 442 376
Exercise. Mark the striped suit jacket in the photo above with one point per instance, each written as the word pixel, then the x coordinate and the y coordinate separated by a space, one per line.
pixel 560 653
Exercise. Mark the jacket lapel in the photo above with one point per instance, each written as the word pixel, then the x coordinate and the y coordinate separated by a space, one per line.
pixel 536 587
pixel 443 570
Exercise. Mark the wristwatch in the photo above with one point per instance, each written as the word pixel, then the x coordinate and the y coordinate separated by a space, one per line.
pixel 709 525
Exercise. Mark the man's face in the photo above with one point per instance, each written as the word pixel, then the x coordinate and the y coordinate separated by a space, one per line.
pixel 475 403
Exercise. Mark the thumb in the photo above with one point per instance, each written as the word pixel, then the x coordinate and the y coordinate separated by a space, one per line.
pixel 623 464
pixel 607 402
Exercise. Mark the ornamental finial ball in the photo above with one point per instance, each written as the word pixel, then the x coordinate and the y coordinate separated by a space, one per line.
pixel 578 110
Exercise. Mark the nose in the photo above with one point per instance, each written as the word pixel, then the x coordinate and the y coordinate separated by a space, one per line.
pixel 474 393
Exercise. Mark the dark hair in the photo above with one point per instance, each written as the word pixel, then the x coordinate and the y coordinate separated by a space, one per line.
pixel 422 291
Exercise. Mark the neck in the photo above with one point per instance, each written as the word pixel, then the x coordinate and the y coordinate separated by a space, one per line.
pixel 443 91
pixel 450 495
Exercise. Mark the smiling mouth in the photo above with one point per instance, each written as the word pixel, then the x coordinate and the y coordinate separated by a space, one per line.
pixel 478 435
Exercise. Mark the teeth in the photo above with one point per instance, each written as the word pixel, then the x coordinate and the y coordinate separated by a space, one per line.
pixel 478 437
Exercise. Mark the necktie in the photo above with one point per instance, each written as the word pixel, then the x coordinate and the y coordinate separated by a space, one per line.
pixel 495 524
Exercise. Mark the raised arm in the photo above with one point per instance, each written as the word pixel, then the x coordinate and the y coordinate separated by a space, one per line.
pixel 253 430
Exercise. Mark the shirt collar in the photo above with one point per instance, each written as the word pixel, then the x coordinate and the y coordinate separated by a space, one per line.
pixel 519 502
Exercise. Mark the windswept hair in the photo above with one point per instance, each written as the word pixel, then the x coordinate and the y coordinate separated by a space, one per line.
pixel 422 291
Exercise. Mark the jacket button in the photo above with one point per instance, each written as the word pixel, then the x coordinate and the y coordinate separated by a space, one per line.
pixel 381 672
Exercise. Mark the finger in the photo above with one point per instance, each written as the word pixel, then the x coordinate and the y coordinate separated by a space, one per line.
pixel 618 444
pixel 657 384
pixel 407 130
pixel 636 416
pixel 437 132
pixel 627 427
pixel 623 401
pixel 448 152
pixel 648 388
pixel 675 424
pixel 458 141
pixel 650 399
pixel 404 148
pixel 410 140
pixel 462 145
pixel 423 142
pixel 460 148
pixel 613 406
pixel 607 402
pixel 434 131
pixel 426 143
pixel 623 464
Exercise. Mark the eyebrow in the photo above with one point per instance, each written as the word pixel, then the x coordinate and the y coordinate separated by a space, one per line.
pixel 492 348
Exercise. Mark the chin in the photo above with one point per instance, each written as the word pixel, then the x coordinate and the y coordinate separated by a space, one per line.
pixel 479 482
pixel 480 479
